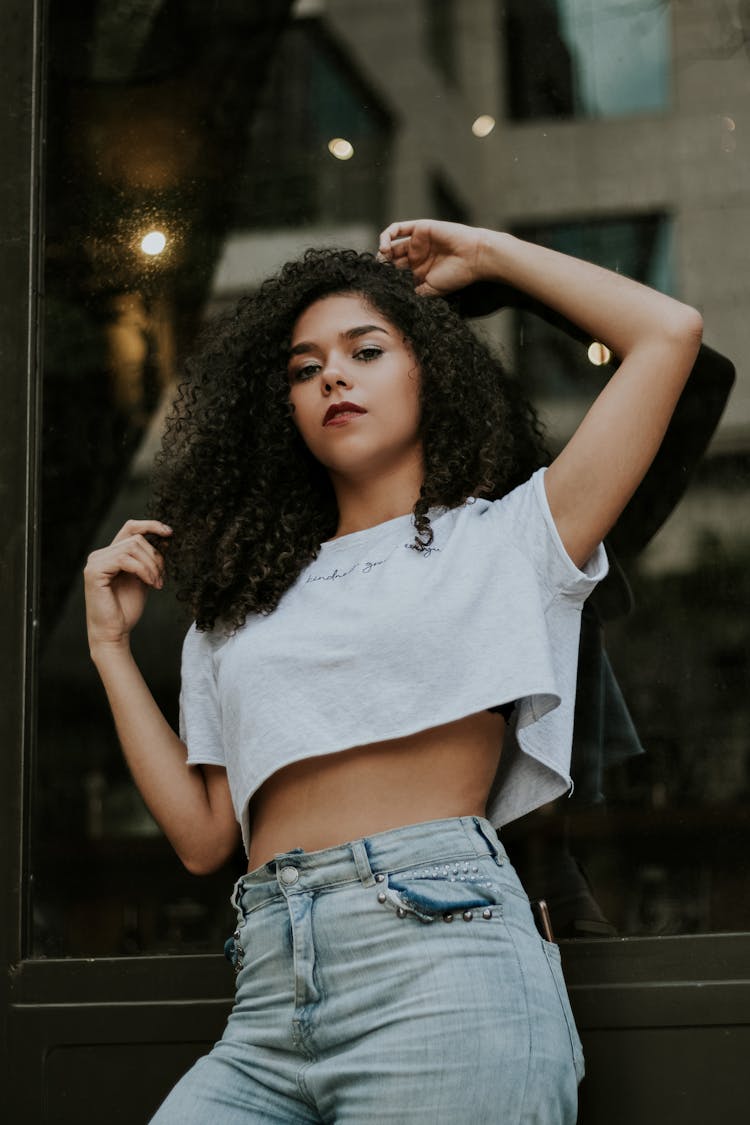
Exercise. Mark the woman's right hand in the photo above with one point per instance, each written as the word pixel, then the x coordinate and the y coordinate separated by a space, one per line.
pixel 117 579
pixel 442 256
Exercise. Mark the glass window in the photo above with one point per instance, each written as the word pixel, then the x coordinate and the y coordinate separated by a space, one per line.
pixel 440 35
pixel 586 58
pixel 444 201
pixel 652 837
pixel 193 148
pixel 639 246
pixel 318 141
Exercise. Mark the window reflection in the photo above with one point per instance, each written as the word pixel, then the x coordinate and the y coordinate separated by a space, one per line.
pixel 586 58
pixel 210 125
pixel 314 95
pixel 639 246
pixel 441 28
pixel 635 849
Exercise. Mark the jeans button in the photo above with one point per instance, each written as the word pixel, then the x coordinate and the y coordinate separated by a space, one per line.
pixel 289 875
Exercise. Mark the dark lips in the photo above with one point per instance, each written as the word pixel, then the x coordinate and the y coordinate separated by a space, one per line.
pixel 342 408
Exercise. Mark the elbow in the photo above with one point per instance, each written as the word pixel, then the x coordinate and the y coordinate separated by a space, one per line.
pixel 693 325
pixel 687 327
pixel 201 864
pixel 209 858
pixel 677 338
pixel 676 332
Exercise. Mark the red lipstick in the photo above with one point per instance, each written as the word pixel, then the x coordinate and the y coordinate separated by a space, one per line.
pixel 337 408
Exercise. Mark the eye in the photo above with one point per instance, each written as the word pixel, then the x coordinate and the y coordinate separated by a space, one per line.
pixel 368 353
pixel 306 371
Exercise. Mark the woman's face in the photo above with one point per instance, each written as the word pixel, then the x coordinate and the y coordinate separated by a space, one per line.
pixel 342 350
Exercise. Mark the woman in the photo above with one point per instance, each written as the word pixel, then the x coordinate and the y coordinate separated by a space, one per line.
pixel 380 583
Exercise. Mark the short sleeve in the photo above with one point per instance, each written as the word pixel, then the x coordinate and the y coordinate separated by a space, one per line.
pixel 200 712
pixel 535 763
pixel 536 533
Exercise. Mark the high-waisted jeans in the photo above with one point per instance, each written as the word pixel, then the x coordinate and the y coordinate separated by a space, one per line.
pixel 397 978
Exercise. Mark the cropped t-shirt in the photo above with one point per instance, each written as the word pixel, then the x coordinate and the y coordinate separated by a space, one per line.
pixel 377 640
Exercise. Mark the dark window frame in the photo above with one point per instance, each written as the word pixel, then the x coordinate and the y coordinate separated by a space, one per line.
pixel 695 983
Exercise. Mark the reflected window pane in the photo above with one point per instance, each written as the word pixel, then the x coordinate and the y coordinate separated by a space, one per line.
pixel 586 58
pixel 637 246
pixel 652 839
pixel 188 157
pixel 191 150
pixel 441 38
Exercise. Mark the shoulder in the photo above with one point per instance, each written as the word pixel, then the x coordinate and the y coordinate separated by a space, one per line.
pixel 523 518
pixel 513 511
pixel 201 645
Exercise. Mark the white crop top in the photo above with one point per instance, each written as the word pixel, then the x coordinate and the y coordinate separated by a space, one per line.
pixel 377 640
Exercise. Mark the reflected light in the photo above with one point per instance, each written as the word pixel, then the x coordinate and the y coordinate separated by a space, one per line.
pixel 153 243
pixel 341 148
pixel 598 354
pixel 483 125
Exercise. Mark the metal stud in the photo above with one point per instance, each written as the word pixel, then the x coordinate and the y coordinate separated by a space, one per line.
pixel 474 868
pixel 448 917
pixel 236 935
pixel 487 913
pixel 381 896
pixel 467 915
pixel 379 878
pixel 400 912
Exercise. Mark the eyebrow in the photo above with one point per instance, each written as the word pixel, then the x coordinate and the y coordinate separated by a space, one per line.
pixel 349 334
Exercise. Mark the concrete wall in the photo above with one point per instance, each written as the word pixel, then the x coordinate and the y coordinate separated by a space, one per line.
pixel 691 161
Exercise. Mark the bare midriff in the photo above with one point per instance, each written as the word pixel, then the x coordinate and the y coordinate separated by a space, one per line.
pixel 317 803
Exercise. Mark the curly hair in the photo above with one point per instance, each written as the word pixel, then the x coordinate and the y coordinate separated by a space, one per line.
pixel 248 503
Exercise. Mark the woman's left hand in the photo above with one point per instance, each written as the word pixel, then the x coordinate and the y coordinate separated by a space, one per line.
pixel 442 256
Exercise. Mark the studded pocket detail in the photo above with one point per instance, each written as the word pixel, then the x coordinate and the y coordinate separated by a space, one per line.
pixel 440 892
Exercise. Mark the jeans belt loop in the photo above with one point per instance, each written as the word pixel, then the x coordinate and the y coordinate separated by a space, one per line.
pixel 496 850
pixel 362 863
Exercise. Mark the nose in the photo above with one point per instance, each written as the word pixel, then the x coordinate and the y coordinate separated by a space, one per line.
pixel 329 381
pixel 333 375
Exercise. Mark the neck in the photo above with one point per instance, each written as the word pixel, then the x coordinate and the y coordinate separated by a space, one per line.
pixel 364 504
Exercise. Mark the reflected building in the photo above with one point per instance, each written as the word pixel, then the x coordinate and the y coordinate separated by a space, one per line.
pixel 243 133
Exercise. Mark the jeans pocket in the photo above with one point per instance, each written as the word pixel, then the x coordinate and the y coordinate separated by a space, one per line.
pixel 234 951
pixel 555 964
pixel 441 892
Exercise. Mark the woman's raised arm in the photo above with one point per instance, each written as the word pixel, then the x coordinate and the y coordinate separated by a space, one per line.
pixel 191 804
pixel 655 337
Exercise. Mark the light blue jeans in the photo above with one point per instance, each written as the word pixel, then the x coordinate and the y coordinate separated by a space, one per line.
pixel 398 978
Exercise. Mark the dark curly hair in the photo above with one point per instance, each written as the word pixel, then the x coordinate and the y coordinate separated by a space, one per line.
pixel 248 503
